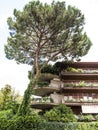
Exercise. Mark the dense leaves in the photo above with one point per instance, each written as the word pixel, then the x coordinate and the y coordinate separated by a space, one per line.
pixel 9 99
pixel 61 113
pixel 42 33
pixel 35 123
pixel 24 108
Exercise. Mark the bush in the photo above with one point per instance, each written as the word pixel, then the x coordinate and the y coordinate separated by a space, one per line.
pixel 86 118
pixel 51 69
pixel 36 123
pixel 61 113
pixel 67 126
pixel 87 126
pixel 6 114
pixel 20 123
pixel 55 126
pixel 24 123
pixel 3 123
pixel 96 117
pixel 42 84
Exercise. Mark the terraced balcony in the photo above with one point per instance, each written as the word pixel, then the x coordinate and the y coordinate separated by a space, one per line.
pixel 77 89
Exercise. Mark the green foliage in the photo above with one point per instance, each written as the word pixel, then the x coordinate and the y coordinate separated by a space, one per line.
pixel 86 126
pixel 51 126
pixel 61 113
pixel 67 126
pixel 41 33
pixel 96 117
pixel 9 99
pixel 24 108
pixel 36 123
pixel 70 69
pixel 5 97
pixel 51 69
pixel 85 118
pixel 7 114
pixel 8 121
pixel 42 84
pixel 81 84
pixel 74 70
pixel 20 123
pixel 44 78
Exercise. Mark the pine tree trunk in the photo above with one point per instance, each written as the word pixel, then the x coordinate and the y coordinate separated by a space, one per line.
pixel 37 67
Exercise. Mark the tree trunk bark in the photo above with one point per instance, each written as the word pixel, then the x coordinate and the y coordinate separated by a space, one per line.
pixel 37 66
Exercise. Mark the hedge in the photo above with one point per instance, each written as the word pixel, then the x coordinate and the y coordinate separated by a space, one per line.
pixel 20 123
pixel 67 126
pixel 35 123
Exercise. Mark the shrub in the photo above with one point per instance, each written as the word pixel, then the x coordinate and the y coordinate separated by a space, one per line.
pixel 53 69
pixel 70 69
pixel 3 123
pixel 7 114
pixel 96 117
pixel 52 126
pixel 49 68
pixel 27 122
pixel 61 113
pixel 20 123
pixel 86 126
pixel 86 118
pixel 66 126
pixel 42 84
pixel 36 123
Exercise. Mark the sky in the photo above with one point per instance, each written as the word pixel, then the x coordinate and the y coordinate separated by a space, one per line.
pixel 17 75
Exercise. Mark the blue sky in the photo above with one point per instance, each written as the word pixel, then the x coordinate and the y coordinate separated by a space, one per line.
pixel 16 75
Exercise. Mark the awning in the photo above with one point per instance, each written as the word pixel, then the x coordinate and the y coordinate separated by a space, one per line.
pixel 90 109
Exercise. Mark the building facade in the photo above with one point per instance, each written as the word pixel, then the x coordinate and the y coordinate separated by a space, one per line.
pixel 76 87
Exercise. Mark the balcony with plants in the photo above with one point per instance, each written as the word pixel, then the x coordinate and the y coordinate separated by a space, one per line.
pixel 79 70
pixel 80 84
pixel 55 99
pixel 74 87
pixel 79 74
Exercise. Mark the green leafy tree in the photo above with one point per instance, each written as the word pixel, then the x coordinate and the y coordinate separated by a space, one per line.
pixel 9 99
pixel 42 33
pixel 5 96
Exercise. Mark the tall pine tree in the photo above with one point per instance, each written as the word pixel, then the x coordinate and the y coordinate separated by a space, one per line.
pixel 42 33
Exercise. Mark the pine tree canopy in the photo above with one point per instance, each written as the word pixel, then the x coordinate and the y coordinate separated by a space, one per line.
pixel 46 32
